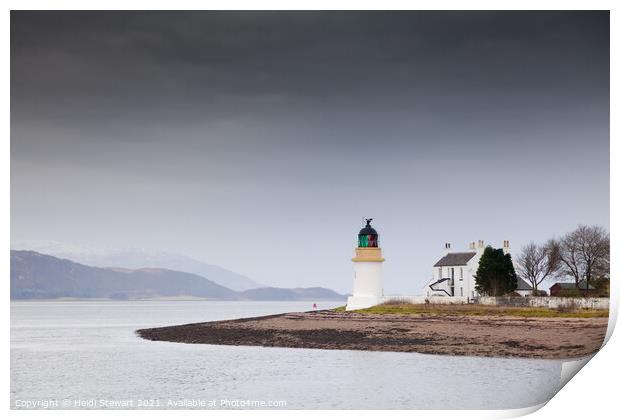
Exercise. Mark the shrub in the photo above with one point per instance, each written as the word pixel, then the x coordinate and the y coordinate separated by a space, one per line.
pixel 395 302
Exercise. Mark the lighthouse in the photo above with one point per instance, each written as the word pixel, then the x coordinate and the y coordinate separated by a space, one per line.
pixel 368 269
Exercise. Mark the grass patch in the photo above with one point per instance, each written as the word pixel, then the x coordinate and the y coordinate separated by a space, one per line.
pixel 487 310
pixel 340 309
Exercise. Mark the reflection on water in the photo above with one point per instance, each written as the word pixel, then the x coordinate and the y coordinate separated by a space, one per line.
pixel 88 350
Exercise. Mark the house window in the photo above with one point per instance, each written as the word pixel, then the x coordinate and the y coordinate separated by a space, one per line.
pixel 461 291
pixel 461 273
pixel 440 273
pixel 451 281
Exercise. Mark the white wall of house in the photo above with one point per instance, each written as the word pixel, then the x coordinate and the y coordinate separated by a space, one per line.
pixel 461 280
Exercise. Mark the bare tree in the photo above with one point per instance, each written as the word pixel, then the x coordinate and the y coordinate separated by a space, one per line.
pixel 584 253
pixel 567 252
pixel 537 263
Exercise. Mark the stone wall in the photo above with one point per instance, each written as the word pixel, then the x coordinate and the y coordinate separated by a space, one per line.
pixel 546 302
pixel 518 301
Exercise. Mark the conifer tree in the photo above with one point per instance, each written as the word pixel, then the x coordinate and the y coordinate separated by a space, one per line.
pixel 496 274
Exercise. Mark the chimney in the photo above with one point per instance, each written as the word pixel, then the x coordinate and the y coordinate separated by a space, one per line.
pixel 472 245
pixel 480 243
pixel 447 245
pixel 506 247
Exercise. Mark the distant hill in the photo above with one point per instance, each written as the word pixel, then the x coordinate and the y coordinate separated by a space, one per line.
pixel 35 275
pixel 40 276
pixel 138 258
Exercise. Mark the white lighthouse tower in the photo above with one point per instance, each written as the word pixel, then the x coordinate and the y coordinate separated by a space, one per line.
pixel 368 267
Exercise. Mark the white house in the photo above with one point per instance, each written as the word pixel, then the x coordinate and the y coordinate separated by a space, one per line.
pixel 453 274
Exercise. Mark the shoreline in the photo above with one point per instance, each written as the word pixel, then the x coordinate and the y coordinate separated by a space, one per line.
pixel 455 335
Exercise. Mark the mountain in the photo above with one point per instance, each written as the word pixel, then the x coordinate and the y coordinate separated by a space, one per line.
pixel 40 276
pixel 275 293
pixel 137 258
pixel 36 276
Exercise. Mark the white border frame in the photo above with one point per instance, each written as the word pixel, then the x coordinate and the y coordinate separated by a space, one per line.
pixel 590 394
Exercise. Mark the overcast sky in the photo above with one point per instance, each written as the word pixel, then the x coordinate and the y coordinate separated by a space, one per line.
pixel 258 141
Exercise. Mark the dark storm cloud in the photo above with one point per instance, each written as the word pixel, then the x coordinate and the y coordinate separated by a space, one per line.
pixel 162 128
pixel 230 61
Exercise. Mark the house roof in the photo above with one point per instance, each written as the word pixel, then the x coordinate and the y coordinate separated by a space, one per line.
pixel 522 284
pixel 582 285
pixel 455 258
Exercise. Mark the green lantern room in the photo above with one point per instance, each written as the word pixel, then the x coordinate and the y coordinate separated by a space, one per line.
pixel 368 236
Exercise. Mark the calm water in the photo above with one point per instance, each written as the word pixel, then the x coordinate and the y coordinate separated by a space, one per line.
pixel 86 354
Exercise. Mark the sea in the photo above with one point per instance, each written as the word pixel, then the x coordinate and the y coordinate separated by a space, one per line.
pixel 86 355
